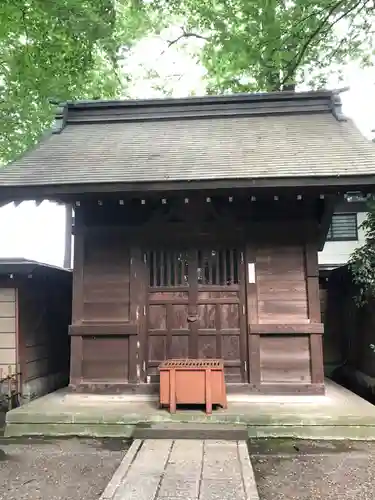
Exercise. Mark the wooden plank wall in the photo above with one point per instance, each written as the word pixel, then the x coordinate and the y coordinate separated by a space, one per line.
pixel 105 358
pixel 106 278
pixel 281 284
pixel 36 341
pixel 105 320
pixel 285 341
pixel 109 340
pixel 285 359
pixel 44 309
pixel 349 328
pixel 8 350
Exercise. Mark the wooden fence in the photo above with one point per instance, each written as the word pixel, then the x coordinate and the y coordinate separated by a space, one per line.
pixel 349 334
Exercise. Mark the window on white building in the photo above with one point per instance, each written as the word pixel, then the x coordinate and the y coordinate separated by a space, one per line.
pixel 344 227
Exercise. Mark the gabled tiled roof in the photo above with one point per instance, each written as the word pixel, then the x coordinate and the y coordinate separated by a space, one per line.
pixel 280 135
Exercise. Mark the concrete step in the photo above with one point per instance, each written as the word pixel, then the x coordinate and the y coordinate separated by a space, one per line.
pixel 176 430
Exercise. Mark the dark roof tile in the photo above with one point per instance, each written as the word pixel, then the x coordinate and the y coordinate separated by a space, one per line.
pixel 264 145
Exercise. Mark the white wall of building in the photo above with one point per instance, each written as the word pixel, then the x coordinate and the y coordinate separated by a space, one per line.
pixel 338 252
pixel 33 232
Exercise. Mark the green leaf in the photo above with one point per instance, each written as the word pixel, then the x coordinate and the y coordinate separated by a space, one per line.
pixel 362 260
pixel 65 49
pixel 264 45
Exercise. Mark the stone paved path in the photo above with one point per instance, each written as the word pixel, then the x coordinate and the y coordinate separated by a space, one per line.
pixel 184 469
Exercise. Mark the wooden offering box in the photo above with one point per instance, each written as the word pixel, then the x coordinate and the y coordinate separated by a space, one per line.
pixel 192 381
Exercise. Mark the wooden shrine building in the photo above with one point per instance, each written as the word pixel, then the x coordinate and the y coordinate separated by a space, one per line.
pixel 197 227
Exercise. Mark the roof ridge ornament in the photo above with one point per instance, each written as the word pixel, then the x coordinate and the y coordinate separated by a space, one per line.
pixel 337 104
pixel 222 106
pixel 61 115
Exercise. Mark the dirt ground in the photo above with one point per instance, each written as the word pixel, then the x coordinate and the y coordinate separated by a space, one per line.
pixel 305 470
pixel 53 469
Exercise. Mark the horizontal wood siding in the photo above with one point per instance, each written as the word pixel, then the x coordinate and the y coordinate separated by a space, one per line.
pixel 106 308
pixel 105 358
pixel 44 308
pixel 281 284
pixel 8 350
pixel 285 359
pixel 106 278
pixel 285 341
pixel 37 340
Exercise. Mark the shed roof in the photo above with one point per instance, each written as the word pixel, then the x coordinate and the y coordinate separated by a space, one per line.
pixel 246 136
pixel 21 266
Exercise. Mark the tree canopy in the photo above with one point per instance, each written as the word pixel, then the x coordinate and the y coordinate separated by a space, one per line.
pixel 265 45
pixel 362 260
pixel 71 49
pixel 65 49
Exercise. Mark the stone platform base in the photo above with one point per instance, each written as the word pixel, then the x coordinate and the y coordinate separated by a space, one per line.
pixel 339 414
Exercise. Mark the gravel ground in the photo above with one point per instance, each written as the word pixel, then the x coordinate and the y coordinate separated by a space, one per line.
pixel 79 469
pixel 303 470
pixel 52 469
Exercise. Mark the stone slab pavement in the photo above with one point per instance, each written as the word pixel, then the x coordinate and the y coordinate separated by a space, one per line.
pixel 184 469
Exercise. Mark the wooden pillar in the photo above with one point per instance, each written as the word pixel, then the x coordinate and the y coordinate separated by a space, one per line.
pixel 314 313
pixel 68 236
pixel 76 358
pixel 316 353
pixel 76 342
pixel 252 316
pixel 134 359
pixel 138 297
pixel 244 329
pixel 312 283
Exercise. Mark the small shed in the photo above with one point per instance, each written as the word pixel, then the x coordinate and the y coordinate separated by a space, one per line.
pixel 198 223
pixel 35 313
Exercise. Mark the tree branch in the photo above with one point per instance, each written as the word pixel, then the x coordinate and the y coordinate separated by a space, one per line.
pixel 297 60
pixel 186 35
pixel 332 55
pixel 306 18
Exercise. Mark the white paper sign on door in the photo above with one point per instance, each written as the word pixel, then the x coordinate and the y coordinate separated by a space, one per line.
pixel 251 272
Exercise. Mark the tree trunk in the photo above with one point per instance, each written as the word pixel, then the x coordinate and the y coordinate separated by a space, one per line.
pixel 290 87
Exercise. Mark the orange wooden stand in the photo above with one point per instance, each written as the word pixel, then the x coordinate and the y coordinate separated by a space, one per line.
pixel 192 381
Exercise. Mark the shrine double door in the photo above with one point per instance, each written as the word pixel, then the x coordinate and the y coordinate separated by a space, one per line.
pixel 196 308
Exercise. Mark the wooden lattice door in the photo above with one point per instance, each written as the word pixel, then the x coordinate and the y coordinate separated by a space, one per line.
pixel 196 308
